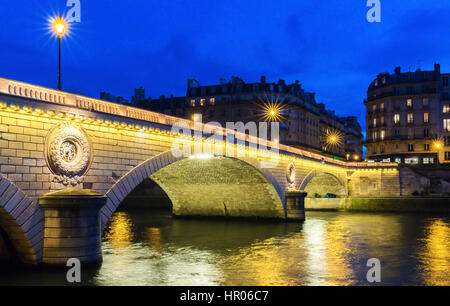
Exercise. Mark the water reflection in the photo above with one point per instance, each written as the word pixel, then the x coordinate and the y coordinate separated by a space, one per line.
pixel 329 248
pixel 435 254
pixel 120 234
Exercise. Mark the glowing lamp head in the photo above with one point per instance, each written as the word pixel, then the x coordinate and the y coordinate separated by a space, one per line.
pixel 60 26
pixel 438 145
pixel 356 157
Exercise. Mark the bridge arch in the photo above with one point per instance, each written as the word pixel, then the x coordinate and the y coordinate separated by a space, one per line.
pixel 273 192
pixel 22 222
pixel 321 183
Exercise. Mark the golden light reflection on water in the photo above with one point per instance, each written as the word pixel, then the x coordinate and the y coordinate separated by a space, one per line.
pixel 154 238
pixel 328 249
pixel 264 264
pixel 435 257
pixel 120 232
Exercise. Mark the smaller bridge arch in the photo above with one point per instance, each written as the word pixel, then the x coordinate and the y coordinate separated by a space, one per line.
pixel 125 185
pixel 321 182
pixel 22 221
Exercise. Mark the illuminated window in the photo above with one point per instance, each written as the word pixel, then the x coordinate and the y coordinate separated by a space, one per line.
pixel 428 160
pixel 382 107
pixel 202 102
pixel 382 120
pixel 426 147
pixel 374 135
pixel 410 118
pixel 409 103
pixel 396 118
pixel 447 125
pixel 374 108
pixel 374 122
pixel 425 118
pixel 382 134
pixel 212 101
pixel 446 109
pixel 412 160
pixel 193 102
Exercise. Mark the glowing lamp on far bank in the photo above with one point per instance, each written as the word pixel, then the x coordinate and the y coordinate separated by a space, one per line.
pixel 356 157
pixel 438 145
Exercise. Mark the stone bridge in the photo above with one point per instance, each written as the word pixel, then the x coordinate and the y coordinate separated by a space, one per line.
pixel 52 140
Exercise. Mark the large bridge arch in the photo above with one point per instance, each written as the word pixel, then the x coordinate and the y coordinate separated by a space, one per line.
pixel 169 181
pixel 22 222
pixel 321 182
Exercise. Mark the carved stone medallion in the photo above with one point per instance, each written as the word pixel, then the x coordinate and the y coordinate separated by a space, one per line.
pixel 290 174
pixel 68 153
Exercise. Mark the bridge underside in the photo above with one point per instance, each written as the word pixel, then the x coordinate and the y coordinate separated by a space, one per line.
pixel 323 184
pixel 217 187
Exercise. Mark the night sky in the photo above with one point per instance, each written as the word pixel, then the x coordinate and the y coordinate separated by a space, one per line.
pixel 328 45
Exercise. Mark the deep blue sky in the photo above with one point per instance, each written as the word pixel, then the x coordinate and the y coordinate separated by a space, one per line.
pixel 327 45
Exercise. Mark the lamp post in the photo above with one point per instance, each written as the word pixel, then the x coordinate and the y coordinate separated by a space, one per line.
pixel 59 25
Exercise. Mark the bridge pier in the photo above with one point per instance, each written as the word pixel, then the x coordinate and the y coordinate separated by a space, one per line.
pixel 72 227
pixel 295 205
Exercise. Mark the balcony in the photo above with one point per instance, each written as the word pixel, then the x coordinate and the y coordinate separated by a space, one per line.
pixel 396 94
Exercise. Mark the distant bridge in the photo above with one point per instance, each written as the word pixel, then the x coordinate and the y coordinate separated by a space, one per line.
pixel 52 140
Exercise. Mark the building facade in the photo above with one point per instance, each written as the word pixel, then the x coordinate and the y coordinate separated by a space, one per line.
pixel 304 123
pixel 408 117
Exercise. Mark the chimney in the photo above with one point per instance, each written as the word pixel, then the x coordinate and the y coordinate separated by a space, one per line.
pixel 263 79
pixel 437 68
pixel 397 70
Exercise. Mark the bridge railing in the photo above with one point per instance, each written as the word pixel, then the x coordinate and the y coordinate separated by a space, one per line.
pixel 43 94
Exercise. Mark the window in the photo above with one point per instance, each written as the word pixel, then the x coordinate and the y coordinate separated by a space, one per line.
pixel 212 101
pixel 425 102
pixel 193 102
pixel 410 147
pixel 447 155
pixel 445 81
pixel 374 150
pixel 426 118
pixel 412 160
pixel 447 125
pixel 446 109
pixel 426 147
pixel 382 120
pixel 382 134
pixel 426 132
pixel 382 107
pixel 374 108
pixel 374 122
pixel 396 132
pixel 428 160
pixel 202 102
pixel 374 135
pixel 382 149
pixel 398 160
pixel 447 141
pixel 397 118
pixel 409 103
pixel 410 118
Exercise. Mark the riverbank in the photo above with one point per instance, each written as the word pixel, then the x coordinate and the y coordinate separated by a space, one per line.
pixel 394 204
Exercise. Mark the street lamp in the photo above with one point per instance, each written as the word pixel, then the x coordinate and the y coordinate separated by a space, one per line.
pixel 60 28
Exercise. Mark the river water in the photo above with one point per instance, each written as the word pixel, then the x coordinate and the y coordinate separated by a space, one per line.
pixel 329 248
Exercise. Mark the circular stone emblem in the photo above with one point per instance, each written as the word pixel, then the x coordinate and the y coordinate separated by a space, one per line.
pixel 290 174
pixel 68 153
